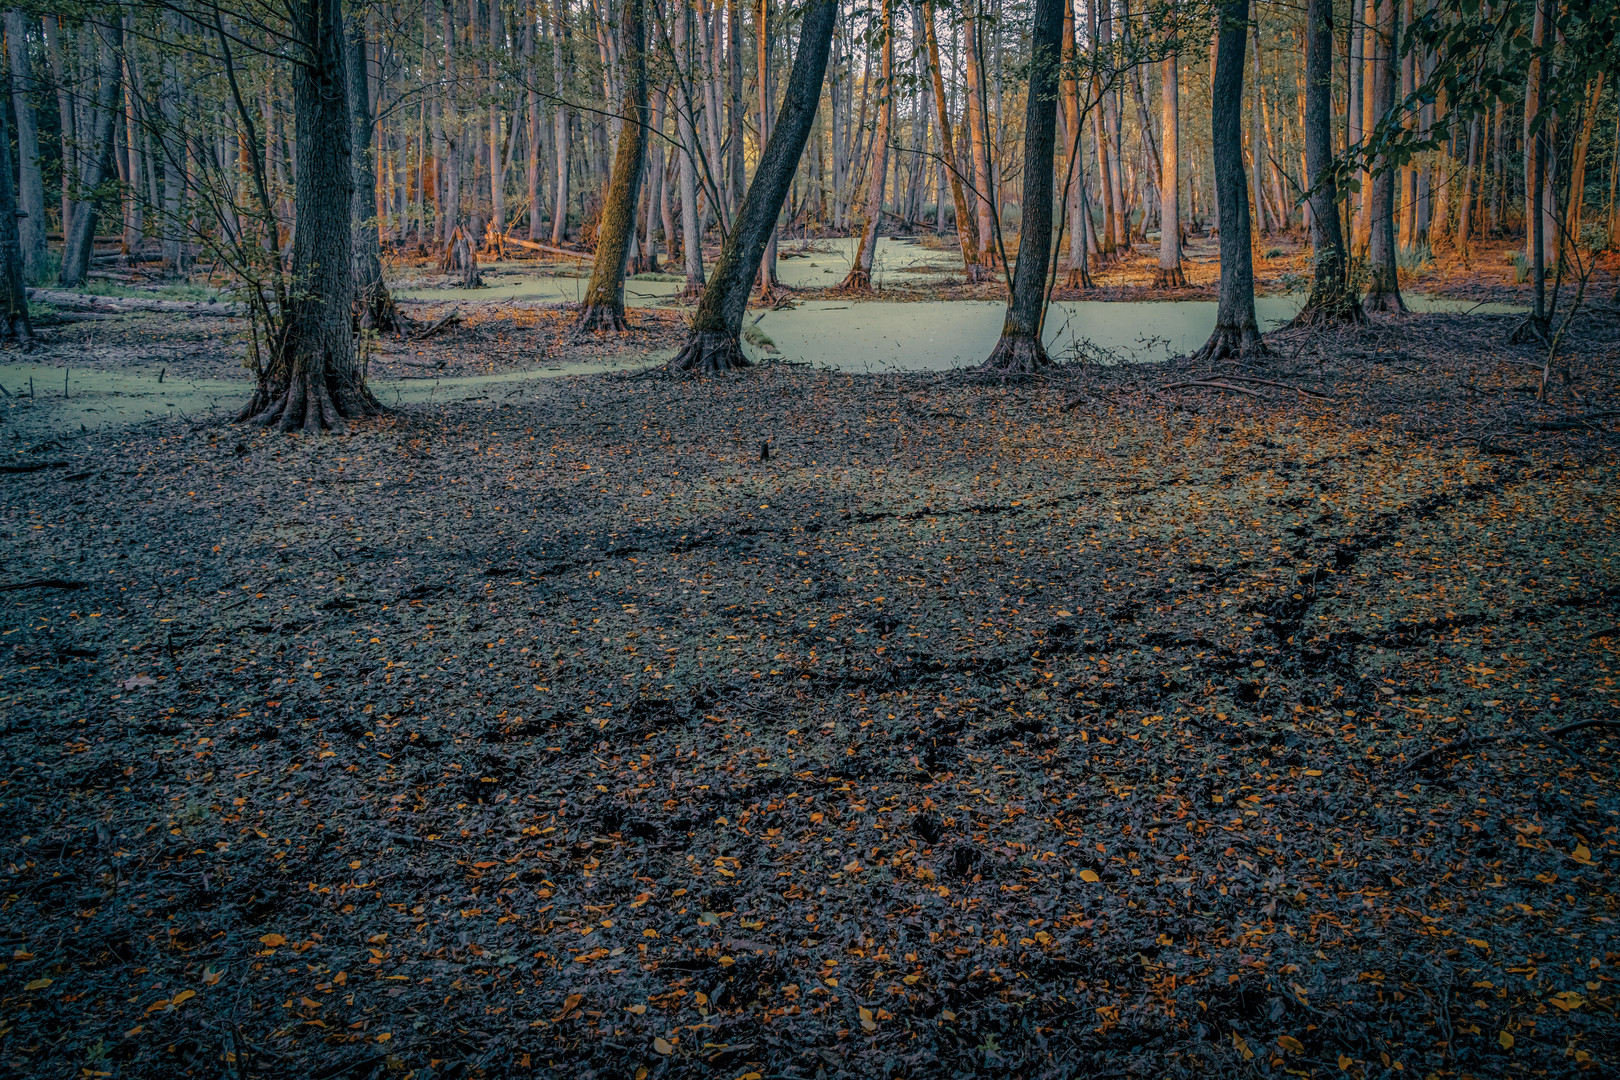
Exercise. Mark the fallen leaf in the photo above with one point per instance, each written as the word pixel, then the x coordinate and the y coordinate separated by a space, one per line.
pixel 138 681
pixel 38 984
pixel 183 996
pixel 211 976
pixel 270 941
pixel 1291 1044
pixel 1345 1062
pixel 1089 875
pixel 661 1046
pixel 570 1003
pixel 637 1009
pixel 1506 1040
pixel 1567 1000
pixel 1242 1047
pixel 866 1019
pixel 1582 854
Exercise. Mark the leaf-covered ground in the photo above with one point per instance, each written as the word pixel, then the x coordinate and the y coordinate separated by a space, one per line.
pixel 1067 728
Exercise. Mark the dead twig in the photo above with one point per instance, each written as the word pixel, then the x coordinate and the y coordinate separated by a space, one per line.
pixel 1273 382
pixel 449 320
pixel 1212 385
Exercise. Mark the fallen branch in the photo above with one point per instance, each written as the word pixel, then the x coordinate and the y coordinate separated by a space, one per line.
pixel 1211 384
pixel 32 468
pixel 45 583
pixel 1579 724
pixel 1462 743
pixel 1273 382
pixel 582 256
pixel 449 320
pixel 124 304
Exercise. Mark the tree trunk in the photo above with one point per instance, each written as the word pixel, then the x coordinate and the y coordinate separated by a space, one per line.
pixel 977 138
pixel 717 327
pixel 1237 332
pixel 686 132
pixel 1079 276
pixel 64 108
pixel 604 297
pixel 31 193
pixel 859 278
pixel 1170 275
pixel 1020 352
pixel 762 77
pixel 533 120
pixel 965 234
pixel 1383 284
pixel 373 306
pixel 559 125
pixel 78 245
pixel 1535 129
pixel 1331 298
pixel 314 379
pixel 14 324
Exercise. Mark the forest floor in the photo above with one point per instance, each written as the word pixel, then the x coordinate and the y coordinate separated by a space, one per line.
pixel 799 724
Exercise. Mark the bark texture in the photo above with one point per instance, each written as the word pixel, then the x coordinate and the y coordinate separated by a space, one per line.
pixel 604 297
pixel 1383 286
pixel 14 324
pixel 1237 332
pixel 77 248
pixel 1331 298
pixel 717 326
pixel 31 183
pixel 314 379
pixel 1020 350
pixel 374 306
pixel 859 278
pixel 1169 274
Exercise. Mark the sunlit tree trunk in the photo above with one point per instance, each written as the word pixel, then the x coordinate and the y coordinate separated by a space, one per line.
pixel 1079 275
pixel 686 132
pixel 714 344
pixel 965 233
pixel 559 125
pixel 762 76
pixel 1170 275
pixel 1020 350
pixel 1237 332
pixel 974 74
pixel 859 278
pixel 604 297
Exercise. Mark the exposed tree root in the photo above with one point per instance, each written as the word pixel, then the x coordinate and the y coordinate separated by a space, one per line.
pixel 307 406
pixel 1531 331
pixel 692 291
pixel 1016 355
pixel 1342 310
pixel 709 351
pixel 1172 278
pixel 600 319
pixel 856 281
pixel 378 312
pixel 1242 342
pixel 645 264
pixel 1078 277
pixel 1384 299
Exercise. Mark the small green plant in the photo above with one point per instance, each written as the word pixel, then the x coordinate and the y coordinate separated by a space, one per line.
pixel 1521 266
pixel 1274 253
pixel 1292 281
pixel 1415 259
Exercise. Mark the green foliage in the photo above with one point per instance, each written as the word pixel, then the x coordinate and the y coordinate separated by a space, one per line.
pixel 1415 259
pixel 1521 266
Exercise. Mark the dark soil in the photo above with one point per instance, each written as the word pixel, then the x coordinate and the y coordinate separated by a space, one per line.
pixel 796 724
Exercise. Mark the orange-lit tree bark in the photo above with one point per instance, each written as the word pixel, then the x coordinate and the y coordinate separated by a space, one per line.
pixel 604 297
pixel 966 235
pixel 1383 286
pixel 859 278
pixel 1169 274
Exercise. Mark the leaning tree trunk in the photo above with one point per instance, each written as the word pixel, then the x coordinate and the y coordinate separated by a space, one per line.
pixel 1383 284
pixel 314 379
pixel 1331 298
pixel 859 278
pixel 81 241
pixel 714 343
pixel 374 307
pixel 14 324
pixel 1236 330
pixel 966 236
pixel 1169 274
pixel 604 298
pixel 1020 351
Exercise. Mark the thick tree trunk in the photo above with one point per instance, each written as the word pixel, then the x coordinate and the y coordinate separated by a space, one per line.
pixel 1170 275
pixel 77 247
pixel 762 84
pixel 1237 332
pixel 1079 276
pixel 1383 284
pixel 966 238
pixel 1331 298
pixel 604 297
pixel 714 344
pixel 374 307
pixel 314 379
pixel 1020 351
pixel 31 183
pixel 559 126
pixel 977 138
pixel 859 278
pixel 1536 141
pixel 14 324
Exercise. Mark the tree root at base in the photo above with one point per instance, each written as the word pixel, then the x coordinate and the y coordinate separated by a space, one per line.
pixel 1342 310
pixel 1016 355
pixel 307 406
pixel 1172 278
pixel 857 281
pixel 1078 278
pixel 600 319
pixel 1242 342
pixel 1531 331
pixel 709 351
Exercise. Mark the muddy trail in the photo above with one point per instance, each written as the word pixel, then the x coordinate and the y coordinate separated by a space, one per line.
pixel 1142 720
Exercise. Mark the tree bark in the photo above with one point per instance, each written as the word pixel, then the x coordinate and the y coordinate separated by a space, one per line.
pixel 559 125
pixel 762 77
pixel 14 324
pixel 1237 332
pixel 1020 351
pixel 714 344
pixel 373 306
pixel 1170 275
pixel 31 183
pixel 77 247
pixel 314 379
pixel 1383 284
pixel 686 132
pixel 977 137
pixel 965 234
pixel 859 278
pixel 604 297
pixel 1079 276
pixel 1331 299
